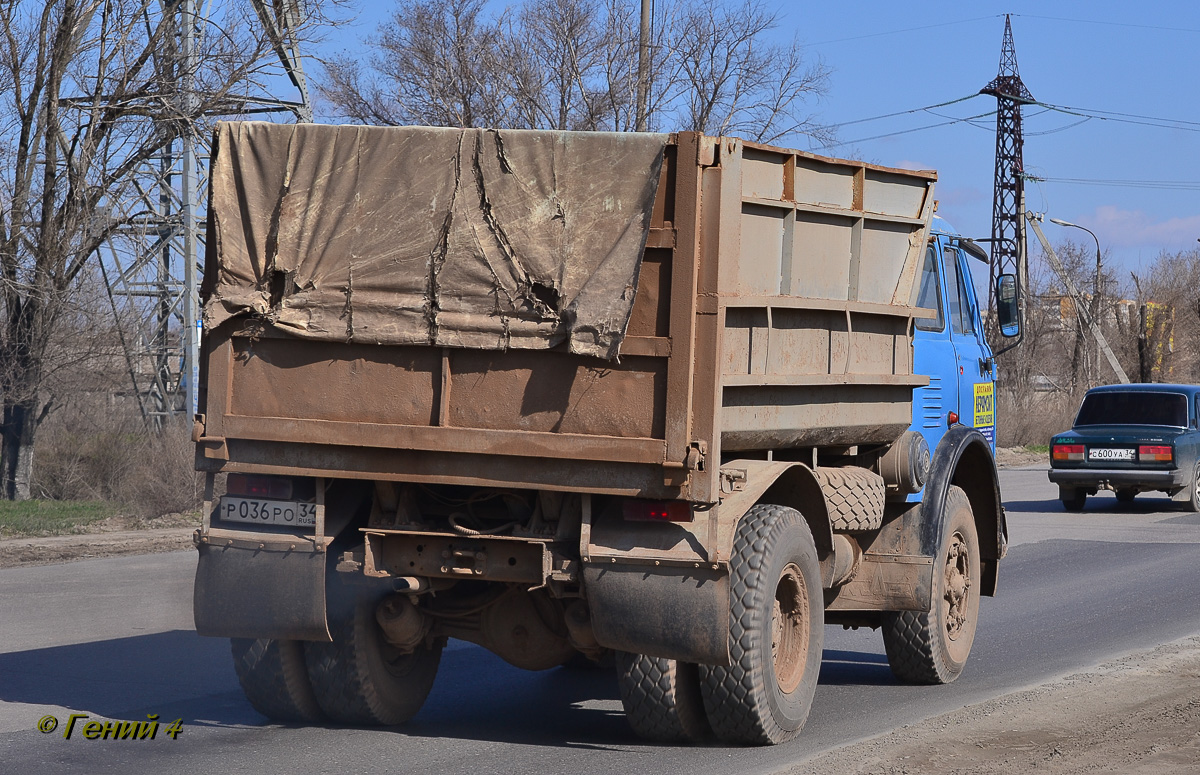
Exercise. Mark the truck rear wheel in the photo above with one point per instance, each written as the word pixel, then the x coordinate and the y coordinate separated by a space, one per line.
pixel 932 647
pixel 776 632
pixel 274 678
pixel 360 678
pixel 662 698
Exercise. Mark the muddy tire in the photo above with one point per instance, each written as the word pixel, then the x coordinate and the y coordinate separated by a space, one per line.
pixel 855 498
pixel 662 698
pixel 1074 501
pixel 361 679
pixel 932 648
pixel 776 632
pixel 274 678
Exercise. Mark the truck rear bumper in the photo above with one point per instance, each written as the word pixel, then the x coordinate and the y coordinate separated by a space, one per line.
pixel 1123 477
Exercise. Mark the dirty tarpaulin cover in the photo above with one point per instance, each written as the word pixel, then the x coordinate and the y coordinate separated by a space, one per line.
pixel 418 235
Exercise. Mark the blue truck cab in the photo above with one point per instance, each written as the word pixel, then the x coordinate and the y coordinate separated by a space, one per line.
pixel 950 347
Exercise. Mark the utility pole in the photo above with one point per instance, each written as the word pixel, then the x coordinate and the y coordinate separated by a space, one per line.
pixel 1095 307
pixel 643 76
pixel 1080 310
pixel 152 266
pixel 1008 233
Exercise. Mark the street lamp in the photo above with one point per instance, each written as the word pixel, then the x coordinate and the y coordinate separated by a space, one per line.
pixel 1096 282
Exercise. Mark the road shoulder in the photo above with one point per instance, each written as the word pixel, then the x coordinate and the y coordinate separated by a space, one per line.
pixel 17 552
pixel 1139 714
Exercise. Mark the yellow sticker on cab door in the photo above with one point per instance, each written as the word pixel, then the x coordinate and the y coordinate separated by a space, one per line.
pixel 985 404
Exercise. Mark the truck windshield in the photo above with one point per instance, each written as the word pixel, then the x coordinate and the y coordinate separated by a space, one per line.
pixel 1133 408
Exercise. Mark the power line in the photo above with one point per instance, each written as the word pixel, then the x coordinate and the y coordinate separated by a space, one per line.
pixel 907 29
pixel 898 113
pixel 1126 118
pixel 1107 24
pixel 1056 130
pixel 1084 114
pixel 1165 185
pixel 968 119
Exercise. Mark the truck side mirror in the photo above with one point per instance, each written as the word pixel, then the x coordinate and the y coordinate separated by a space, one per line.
pixel 1007 312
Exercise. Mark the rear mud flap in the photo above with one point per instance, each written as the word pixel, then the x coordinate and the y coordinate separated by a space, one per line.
pixel 677 613
pixel 256 585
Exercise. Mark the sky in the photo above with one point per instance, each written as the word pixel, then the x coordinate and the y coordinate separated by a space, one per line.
pixel 1135 59
pixel 1139 59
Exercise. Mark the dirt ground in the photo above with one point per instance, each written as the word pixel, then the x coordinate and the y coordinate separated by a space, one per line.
pixel 1013 457
pixel 108 538
pixel 1134 716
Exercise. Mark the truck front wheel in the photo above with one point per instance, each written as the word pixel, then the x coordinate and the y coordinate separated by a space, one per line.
pixel 274 678
pixel 776 632
pixel 360 678
pixel 932 647
pixel 662 698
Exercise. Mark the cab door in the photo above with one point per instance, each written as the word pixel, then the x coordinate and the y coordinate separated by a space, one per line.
pixel 976 388
pixel 933 353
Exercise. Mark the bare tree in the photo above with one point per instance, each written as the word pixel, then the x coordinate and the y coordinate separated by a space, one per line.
pixel 90 94
pixel 553 81
pixel 739 83
pixel 434 63
pixel 1165 326
pixel 572 64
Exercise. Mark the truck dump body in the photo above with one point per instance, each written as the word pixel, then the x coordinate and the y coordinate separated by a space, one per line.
pixel 582 312
pixel 562 395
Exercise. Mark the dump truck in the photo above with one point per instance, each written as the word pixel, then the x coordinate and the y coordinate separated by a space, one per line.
pixel 669 402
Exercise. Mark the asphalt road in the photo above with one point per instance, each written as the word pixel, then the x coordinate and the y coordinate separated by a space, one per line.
pixel 113 639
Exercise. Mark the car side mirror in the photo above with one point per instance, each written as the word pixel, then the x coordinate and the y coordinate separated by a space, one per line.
pixel 1008 313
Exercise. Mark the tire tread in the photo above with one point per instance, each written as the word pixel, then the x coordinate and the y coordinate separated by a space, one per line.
pixel 855 498
pixel 342 674
pixel 735 697
pixel 910 637
pixel 661 698
pixel 274 679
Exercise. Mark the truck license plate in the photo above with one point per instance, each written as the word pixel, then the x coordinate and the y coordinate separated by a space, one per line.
pixel 1105 453
pixel 266 512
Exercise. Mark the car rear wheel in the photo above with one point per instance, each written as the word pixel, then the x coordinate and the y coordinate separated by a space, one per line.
pixel 1074 500
pixel 1194 500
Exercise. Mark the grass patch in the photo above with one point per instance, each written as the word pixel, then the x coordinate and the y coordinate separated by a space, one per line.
pixel 47 518
pixel 1041 448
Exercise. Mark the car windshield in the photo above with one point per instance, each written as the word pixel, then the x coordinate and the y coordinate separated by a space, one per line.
pixel 1133 408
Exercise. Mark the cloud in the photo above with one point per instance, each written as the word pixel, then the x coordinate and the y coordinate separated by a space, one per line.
pixel 906 164
pixel 1134 228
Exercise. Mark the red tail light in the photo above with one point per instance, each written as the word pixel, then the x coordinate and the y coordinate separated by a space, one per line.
pixel 275 487
pixel 1067 452
pixel 1154 454
pixel 658 511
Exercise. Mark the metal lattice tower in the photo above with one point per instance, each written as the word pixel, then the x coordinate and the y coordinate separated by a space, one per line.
pixel 1008 228
pixel 152 265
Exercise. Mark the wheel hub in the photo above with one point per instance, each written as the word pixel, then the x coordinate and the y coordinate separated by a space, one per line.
pixel 958 586
pixel 790 620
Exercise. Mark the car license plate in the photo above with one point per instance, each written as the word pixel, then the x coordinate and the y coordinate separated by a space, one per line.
pixel 1110 453
pixel 267 512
